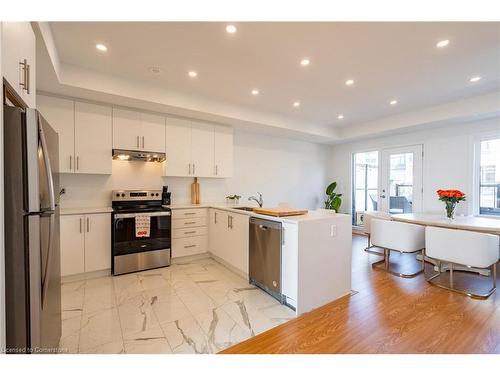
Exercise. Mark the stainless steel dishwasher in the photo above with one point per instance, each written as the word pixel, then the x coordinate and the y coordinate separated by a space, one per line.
pixel 265 256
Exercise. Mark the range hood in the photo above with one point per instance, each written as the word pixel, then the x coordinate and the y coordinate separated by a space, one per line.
pixel 131 155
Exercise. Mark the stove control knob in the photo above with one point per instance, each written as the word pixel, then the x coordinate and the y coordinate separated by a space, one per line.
pixel 157 194
pixel 117 195
pixel 152 194
pixel 123 195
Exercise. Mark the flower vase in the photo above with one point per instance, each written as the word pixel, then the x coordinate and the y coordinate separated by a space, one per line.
pixel 450 209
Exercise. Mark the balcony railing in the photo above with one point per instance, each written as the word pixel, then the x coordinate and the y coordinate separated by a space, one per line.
pixel 489 196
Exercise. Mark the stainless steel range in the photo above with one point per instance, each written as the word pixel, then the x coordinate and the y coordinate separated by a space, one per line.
pixel 141 232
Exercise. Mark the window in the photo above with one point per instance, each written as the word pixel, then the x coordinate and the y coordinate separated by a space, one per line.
pixel 489 177
pixel 365 184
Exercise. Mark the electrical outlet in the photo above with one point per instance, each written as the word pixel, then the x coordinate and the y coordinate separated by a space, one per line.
pixel 333 230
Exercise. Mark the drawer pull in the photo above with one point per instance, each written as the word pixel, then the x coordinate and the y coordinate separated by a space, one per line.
pixel 189 213
pixel 189 222
pixel 192 232
pixel 188 246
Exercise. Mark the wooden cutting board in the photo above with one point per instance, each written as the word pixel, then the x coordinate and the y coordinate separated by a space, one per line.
pixel 279 211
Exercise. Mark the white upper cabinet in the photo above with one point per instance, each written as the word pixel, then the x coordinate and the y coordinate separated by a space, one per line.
pixel 60 113
pixel 138 131
pixel 223 151
pixel 178 147
pixel 85 134
pixel 93 137
pixel 126 129
pixel 153 132
pixel 202 150
pixel 18 59
pixel 196 149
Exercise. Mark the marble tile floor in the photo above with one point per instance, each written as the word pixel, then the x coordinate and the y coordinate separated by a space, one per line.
pixel 193 307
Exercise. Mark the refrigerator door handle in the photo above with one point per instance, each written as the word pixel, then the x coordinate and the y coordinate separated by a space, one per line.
pixel 46 268
pixel 45 152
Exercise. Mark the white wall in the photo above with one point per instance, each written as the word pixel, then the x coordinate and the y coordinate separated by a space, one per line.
pixel 447 163
pixel 283 170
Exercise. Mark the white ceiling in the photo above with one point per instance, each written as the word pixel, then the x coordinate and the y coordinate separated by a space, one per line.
pixel 386 60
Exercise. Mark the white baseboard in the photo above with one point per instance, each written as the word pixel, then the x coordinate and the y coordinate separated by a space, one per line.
pixel 86 276
pixel 229 266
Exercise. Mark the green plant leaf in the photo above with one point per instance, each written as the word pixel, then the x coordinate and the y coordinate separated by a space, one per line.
pixel 331 188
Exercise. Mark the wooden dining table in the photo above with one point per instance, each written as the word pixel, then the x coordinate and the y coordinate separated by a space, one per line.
pixel 472 223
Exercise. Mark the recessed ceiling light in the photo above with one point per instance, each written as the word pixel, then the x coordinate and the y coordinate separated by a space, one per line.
pixel 255 92
pixel 192 74
pixel 305 62
pixel 296 104
pixel 340 117
pixel 101 47
pixel 231 29
pixel 393 102
pixel 349 82
pixel 442 43
pixel 475 79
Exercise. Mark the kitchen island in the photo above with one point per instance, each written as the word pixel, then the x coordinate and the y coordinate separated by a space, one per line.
pixel 315 251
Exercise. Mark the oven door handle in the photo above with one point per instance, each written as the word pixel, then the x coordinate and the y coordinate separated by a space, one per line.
pixel 151 214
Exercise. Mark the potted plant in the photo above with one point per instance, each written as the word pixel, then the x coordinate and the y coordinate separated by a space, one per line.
pixel 233 199
pixel 450 199
pixel 333 200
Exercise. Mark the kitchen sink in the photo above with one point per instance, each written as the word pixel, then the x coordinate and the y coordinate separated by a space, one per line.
pixel 244 208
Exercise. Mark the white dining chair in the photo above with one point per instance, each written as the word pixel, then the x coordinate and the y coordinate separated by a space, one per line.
pixel 368 216
pixel 397 236
pixel 465 248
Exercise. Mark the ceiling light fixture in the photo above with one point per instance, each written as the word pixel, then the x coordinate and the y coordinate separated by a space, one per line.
pixel 255 92
pixel 349 82
pixel 393 102
pixel 340 117
pixel 231 29
pixel 305 62
pixel 192 74
pixel 475 79
pixel 442 43
pixel 296 104
pixel 101 47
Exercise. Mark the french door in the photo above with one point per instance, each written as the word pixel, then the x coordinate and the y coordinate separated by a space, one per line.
pixel 400 184
pixel 388 180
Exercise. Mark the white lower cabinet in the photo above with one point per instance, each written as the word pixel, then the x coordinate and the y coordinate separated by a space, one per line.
pixel 228 238
pixel 189 232
pixel 289 262
pixel 85 243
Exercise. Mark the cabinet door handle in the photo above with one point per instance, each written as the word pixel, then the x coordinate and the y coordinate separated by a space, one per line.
pixel 88 225
pixel 25 70
pixel 189 222
pixel 283 236
pixel 190 232
pixel 143 142
pixel 28 79
pixel 188 246
pixel 189 168
pixel 215 217
pixel 216 170
pixel 77 163
pixel 137 141
pixel 194 168
pixel 80 225
pixel 70 162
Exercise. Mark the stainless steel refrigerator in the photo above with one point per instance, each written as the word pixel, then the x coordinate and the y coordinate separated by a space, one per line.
pixel 32 246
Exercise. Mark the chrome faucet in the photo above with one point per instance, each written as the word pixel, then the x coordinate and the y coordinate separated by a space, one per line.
pixel 259 200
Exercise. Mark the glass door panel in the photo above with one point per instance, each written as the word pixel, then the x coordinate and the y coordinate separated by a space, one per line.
pixel 365 184
pixel 401 180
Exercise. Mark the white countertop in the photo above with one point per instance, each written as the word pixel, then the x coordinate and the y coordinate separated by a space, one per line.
pixel 319 214
pixel 85 210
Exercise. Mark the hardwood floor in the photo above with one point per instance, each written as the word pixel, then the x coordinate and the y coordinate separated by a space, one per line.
pixel 387 315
